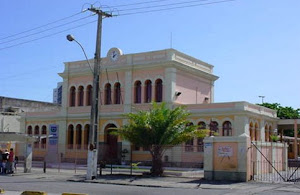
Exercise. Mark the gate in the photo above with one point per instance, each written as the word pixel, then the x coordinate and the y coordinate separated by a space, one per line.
pixel 269 163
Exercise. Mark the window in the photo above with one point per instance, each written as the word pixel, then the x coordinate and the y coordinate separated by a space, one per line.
pixel 189 145
pixel 78 136
pixel 72 96
pixel 201 125
pixel 29 130
pixel 158 90
pixel 70 137
pixel 44 135
pixel 86 136
pixel 117 93
pixel 89 95
pixel 107 95
pixel 200 145
pixel 213 126
pixel 227 128
pixel 36 133
pixel 80 96
pixel 138 92
pixel 148 91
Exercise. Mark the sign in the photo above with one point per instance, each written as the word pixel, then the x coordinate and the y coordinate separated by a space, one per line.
pixel 225 151
pixel 53 134
pixel 207 148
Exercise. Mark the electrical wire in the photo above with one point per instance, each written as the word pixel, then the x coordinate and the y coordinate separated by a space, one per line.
pixel 58 26
pixel 172 8
pixel 123 14
pixel 40 26
pixel 164 5
pixel 22 43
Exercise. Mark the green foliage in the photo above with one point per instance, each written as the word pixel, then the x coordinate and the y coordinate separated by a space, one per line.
pixel 160 126
pixel 283 112
pixel 274 138
pixel 157 129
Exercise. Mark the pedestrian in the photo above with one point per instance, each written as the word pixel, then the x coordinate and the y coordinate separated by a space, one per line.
pixel 4 161
pixel 11 158
pixel 1 167
pixel 16 162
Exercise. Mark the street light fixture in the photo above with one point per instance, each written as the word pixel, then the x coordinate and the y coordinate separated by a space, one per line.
pixel 92 157
pixel 72 38
pixel 262 98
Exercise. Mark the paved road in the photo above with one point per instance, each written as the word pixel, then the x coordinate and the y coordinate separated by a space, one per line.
pixel 55 183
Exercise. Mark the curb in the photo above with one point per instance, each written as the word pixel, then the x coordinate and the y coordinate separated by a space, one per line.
pixel 34 193
pixel 1 191
pixel 66 193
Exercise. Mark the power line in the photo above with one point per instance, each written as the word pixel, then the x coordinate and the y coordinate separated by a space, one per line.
pixel 22 43
pixel 124 14
pixel 172 8
pixel 143 3
pixel 58 26
pixel 164 5
pixel 40 26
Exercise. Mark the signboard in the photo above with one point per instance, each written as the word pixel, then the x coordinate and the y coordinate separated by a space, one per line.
pixel 53 134
pixel 224 151
pixel 52 153
pixel 207 148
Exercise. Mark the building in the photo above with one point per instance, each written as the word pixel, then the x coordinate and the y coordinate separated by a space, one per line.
pixel 12 116
pixel 129 83
pixel 57 94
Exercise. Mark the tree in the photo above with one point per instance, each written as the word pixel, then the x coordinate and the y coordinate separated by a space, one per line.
pixel 158 129
pixel 283 112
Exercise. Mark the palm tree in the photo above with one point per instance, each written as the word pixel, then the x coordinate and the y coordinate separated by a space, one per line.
pixel 157 129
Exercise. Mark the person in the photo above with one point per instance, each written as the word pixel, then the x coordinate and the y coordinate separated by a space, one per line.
pixel 11 157
pixel 1 167
pixel 4 161
pixel 16 162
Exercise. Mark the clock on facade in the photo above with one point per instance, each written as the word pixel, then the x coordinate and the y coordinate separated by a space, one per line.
pixel 114 54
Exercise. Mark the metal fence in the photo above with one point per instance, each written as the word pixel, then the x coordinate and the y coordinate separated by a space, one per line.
pixel 117 159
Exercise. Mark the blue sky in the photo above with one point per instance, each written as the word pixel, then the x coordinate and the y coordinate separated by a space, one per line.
pixel 253 44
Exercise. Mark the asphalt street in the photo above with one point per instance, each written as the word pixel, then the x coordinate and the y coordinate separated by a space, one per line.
pixel 55 183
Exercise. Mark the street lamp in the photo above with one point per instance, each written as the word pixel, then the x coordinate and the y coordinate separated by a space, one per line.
pixel 92 157
pixel 262 98
pixel 71 38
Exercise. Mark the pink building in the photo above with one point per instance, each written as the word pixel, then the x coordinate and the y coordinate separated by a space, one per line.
pixel 129 83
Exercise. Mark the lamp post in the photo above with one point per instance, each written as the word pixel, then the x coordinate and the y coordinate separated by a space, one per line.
pixel 262 98
pixel 93 138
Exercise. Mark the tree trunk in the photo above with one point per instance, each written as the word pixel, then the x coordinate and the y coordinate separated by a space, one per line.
pixel 157 166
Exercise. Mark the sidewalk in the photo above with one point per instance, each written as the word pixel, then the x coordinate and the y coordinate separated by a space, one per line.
pixel 193 181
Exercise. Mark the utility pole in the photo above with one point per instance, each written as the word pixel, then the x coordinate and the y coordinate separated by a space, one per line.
pixel 93 134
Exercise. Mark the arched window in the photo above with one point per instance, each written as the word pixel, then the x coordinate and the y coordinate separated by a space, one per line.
pixel 78 136
pixel 80 95
pixel 137 92
pixel 214 127
pixel 107 95
pixel 251 131
pixel 158 90
pixel 72 96
pixel 117 89
pixel 70 137
pixel 89 91
pixel 189 145
pixel 44 135
pixel 266 133
pixel 148 91
pixel 29 130
pixel 227 128
pixel 36 133
pixel 86 136
pixel 200 144
pixel 256 132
